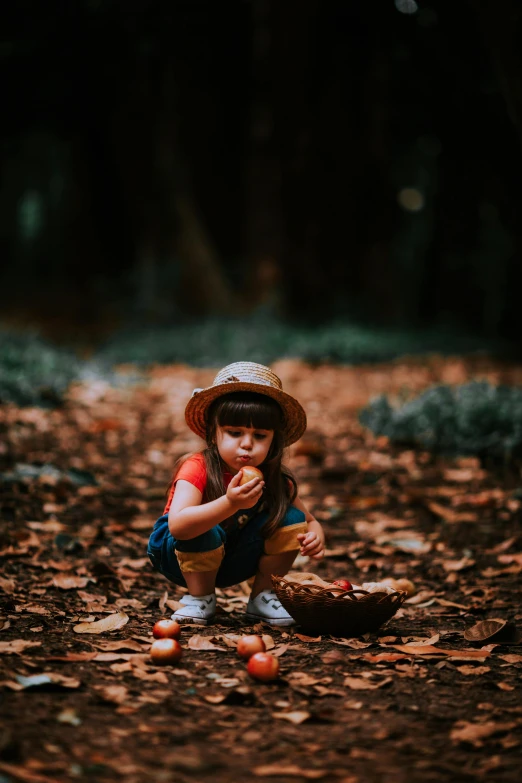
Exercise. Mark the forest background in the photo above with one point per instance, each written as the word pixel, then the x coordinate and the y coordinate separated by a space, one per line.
pixel 311 164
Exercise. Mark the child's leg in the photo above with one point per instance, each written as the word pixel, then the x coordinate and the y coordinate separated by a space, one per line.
pixel 272 564
pixel 280 551
pixel 194 563
pixel 200 582
pixel 199 560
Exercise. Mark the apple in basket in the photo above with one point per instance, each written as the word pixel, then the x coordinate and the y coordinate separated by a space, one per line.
pixel 248 473
pixel 344 583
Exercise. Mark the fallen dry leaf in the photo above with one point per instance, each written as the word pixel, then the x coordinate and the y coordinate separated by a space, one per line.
pixel 383 657
pixel 458 565
pixel 451 516
pixel 215 698
pixel 114 694
pixel 198 642
pixel 268 640
pixel 429 649
pixel 508 559
pixel 307 639
pixel 444 602
pixel 362 684
pixel 475 733
pixel 143 674
pixel 65 582
pixel 17 646
pixel 322 690
pixel 499 548
pixel 110 623
pixel 505 686
pixel 280 649
pixel 304 679
pixel 288 770
pixel 473 670
pixel 7 585
pixel 495 629
pixel 296 717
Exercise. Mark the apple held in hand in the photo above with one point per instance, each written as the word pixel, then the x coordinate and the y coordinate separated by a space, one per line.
pixel 167 629
pixel 250 645
pixel 344 583
pixel 249 473
pixel 263 666
pixel 166 651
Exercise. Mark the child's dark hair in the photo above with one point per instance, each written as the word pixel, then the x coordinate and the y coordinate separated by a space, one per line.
pixel 250 409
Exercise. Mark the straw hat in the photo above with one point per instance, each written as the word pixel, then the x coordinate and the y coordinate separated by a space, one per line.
pixel 251 377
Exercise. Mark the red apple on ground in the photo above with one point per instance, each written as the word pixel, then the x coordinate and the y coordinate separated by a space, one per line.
pixel 166 651
pixel 250 645
pixel 344 583
pixel 167 629
pixel 249 473
pixel 263 666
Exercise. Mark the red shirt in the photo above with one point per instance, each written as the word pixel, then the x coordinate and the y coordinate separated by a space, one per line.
pixel 194 470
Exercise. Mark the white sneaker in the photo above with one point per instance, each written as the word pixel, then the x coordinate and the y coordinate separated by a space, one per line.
pixel 267 606
pixel 199 609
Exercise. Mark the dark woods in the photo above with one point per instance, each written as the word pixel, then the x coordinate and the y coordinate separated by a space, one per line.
pixel 316 160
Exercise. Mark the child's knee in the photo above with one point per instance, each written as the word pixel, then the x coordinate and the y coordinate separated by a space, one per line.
pixel 284 538
pixel 203 553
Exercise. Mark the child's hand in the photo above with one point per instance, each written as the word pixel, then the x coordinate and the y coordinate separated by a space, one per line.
pixel 311 545
pixel 247 495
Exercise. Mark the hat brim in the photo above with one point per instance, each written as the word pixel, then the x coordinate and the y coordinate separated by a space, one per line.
pixel 197 407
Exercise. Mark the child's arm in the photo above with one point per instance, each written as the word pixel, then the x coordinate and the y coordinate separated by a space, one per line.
pixel 312 542
pixel 189 518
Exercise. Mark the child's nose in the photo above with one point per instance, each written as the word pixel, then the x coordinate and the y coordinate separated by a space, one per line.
pixel 246 441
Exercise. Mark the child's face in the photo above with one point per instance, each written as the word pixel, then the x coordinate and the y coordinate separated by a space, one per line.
pixel 241 446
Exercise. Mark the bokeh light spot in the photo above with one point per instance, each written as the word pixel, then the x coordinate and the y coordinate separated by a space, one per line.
pixel 406 6
pixel 411 199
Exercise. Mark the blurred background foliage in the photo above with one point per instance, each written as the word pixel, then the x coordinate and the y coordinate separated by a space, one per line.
pixel 476 418
pixel 203 182
pixel 311 163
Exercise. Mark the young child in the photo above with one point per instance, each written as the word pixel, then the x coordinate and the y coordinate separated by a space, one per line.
pixel 213 530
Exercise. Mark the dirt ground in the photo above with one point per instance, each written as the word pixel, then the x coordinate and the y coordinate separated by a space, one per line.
pixel 415 701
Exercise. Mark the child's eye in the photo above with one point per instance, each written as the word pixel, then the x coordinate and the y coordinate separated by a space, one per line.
pixel 260 436
pixel 234 433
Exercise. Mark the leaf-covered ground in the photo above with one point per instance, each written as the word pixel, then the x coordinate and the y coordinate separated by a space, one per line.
pixel 80 489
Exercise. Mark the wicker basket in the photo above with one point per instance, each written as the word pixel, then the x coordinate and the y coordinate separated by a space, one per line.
pixel 335 611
